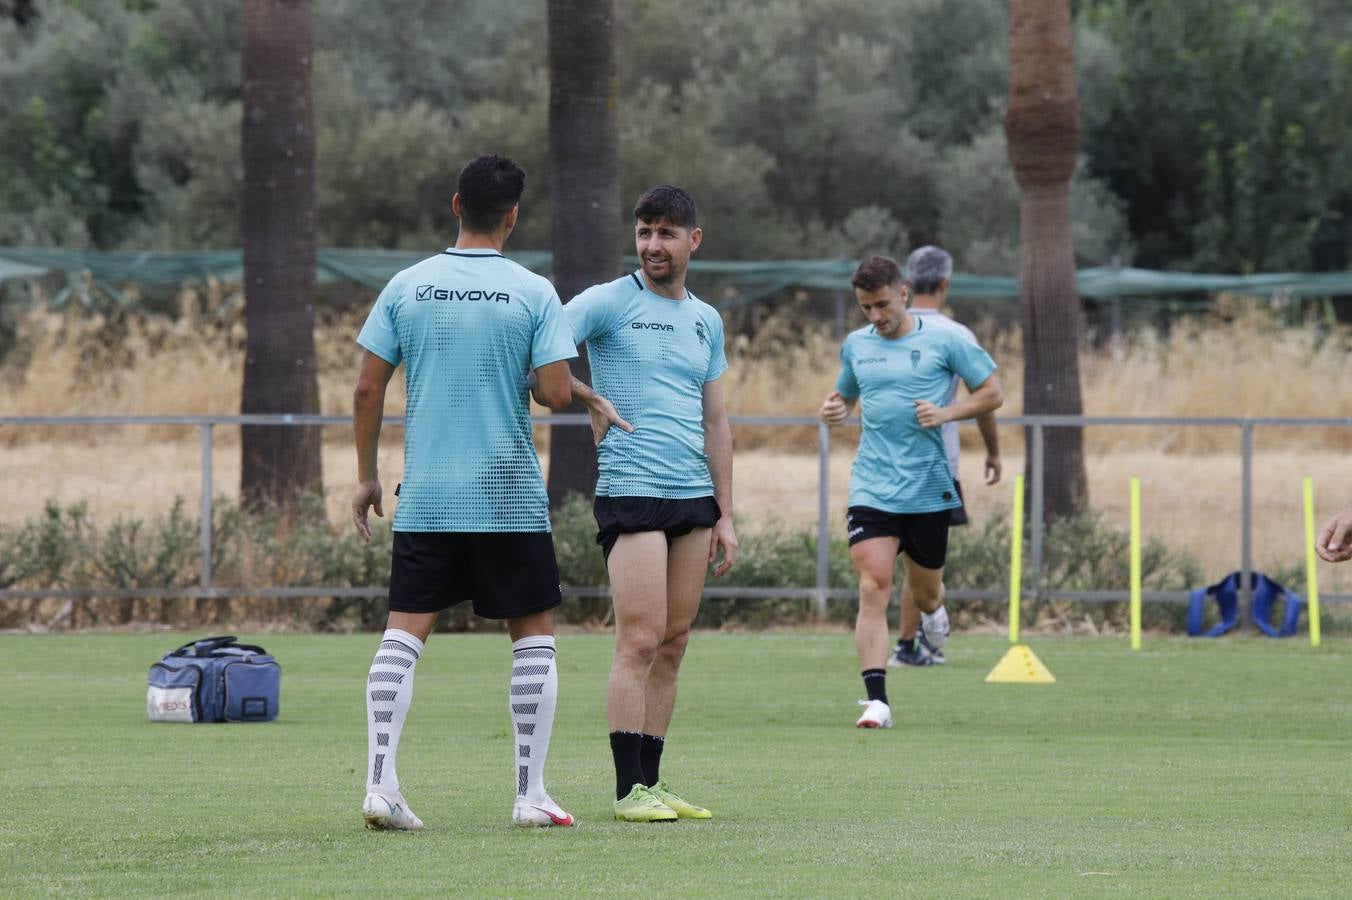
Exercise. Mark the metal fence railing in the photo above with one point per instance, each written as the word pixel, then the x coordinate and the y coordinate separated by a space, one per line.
pixel 819 593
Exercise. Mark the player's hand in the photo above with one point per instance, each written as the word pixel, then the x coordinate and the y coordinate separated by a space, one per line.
pixel 929 415
pixel 833 410
pixel 367 494
pixel 994 468
pixel 1334 543
pixel 723 536
pixel 603 415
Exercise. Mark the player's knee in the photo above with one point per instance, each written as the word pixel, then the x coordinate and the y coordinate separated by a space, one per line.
pixel 874 584
pixel 673 645
pixel 928 599
pixel 638 645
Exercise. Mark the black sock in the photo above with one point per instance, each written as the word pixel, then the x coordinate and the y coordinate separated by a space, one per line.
pixel 908 643
pixel 625 747
pixel 650 755
pixel 875 682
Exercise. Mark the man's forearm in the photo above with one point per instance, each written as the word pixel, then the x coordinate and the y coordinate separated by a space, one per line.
pixel 367 416
pixel 990 435
pixel 582 392
pixel 985 399
pixel 718 447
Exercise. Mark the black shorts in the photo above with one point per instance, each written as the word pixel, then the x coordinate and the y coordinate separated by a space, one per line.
pixel 504 574
pixel 958 514
pixel 627 515
pixel 923 536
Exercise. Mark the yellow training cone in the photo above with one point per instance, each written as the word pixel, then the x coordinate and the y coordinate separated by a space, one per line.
pixel 1020 666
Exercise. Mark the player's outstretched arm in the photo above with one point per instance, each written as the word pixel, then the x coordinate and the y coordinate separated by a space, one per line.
pixel 1334 543
pixel 602 411
pixel 368 411
pixel 835 409
pixel 718 447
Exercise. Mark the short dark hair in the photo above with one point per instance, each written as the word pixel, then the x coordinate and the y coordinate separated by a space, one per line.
pixel 489 187
pixel 876 273
pixel 667 202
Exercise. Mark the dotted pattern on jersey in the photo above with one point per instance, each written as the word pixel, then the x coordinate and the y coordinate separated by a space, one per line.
pixel 655 378
pixel 901 467
pixel 469 460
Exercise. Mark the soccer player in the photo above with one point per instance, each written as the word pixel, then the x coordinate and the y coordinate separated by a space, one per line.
pixel 901 486
pixel 929 270
pixel 471 328
pixel 664 492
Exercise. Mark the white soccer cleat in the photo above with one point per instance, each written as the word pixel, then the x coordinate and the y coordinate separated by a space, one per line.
pixel 877 714
pixel 934 627
pixel 389 813
pixel 542 813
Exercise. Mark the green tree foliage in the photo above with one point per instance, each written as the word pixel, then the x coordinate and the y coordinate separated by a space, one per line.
pixel 1220 133
pixel 1228 129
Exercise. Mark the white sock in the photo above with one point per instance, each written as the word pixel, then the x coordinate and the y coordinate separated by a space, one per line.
pixel 389 691
pixel 534 691
pixel 935 626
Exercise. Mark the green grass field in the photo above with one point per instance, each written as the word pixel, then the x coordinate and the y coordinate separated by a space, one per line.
pixel 1190 768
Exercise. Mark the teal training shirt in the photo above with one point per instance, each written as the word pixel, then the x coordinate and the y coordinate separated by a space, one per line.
pixel 901 466
pixel 469 326
pixel 650 356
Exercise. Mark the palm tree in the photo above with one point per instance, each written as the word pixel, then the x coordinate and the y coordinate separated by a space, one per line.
pixel 1042 127
pixel 277 145
pixel 585 175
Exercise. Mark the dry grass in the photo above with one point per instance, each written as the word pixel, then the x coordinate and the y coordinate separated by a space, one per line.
pixel 1224 366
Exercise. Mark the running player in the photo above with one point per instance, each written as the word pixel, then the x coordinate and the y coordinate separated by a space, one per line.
pixel 901 487
pixel 475 333
pixel 930 269
pixel 664 492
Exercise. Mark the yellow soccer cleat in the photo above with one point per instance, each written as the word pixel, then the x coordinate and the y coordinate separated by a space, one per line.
pixel 683 809
pixel 642 805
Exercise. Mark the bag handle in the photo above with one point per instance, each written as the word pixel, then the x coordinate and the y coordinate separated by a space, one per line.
pixel 212 646
pixel 204 646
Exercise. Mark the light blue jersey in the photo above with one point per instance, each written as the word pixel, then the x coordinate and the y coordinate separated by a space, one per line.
pixel 939 320
pixel 469 326
pixel 650 356
pixel 901 466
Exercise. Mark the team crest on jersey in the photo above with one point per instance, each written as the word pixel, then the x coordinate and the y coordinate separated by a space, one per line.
pixel 915 358
pixel 701 333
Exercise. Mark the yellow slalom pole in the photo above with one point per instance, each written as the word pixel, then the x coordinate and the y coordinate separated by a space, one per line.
pixel 1135 563
pixel 1313 581
pixel 1015 560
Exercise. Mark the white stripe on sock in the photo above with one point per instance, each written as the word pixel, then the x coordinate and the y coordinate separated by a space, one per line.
pixel 531 697
pixel 389 691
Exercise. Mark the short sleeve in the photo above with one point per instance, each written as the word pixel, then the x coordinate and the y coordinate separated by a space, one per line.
pixel 718 357
pixel 379 335
pixel 846 383
pixel 588 314
pixel 553 339
pixel 969 361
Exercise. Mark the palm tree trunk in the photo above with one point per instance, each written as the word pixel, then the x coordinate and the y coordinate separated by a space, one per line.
pixel 277 144
pixel 1042 127
pixel 585 175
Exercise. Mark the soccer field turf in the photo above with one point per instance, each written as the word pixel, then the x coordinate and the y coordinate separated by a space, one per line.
pixel 1190 768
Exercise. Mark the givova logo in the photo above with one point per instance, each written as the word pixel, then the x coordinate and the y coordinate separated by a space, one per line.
pixel 432 292
pixel 652 326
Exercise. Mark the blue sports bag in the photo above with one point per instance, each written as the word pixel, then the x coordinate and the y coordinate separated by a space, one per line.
pixel 215 679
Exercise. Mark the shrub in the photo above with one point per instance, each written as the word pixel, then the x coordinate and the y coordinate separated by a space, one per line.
pixel 275 546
